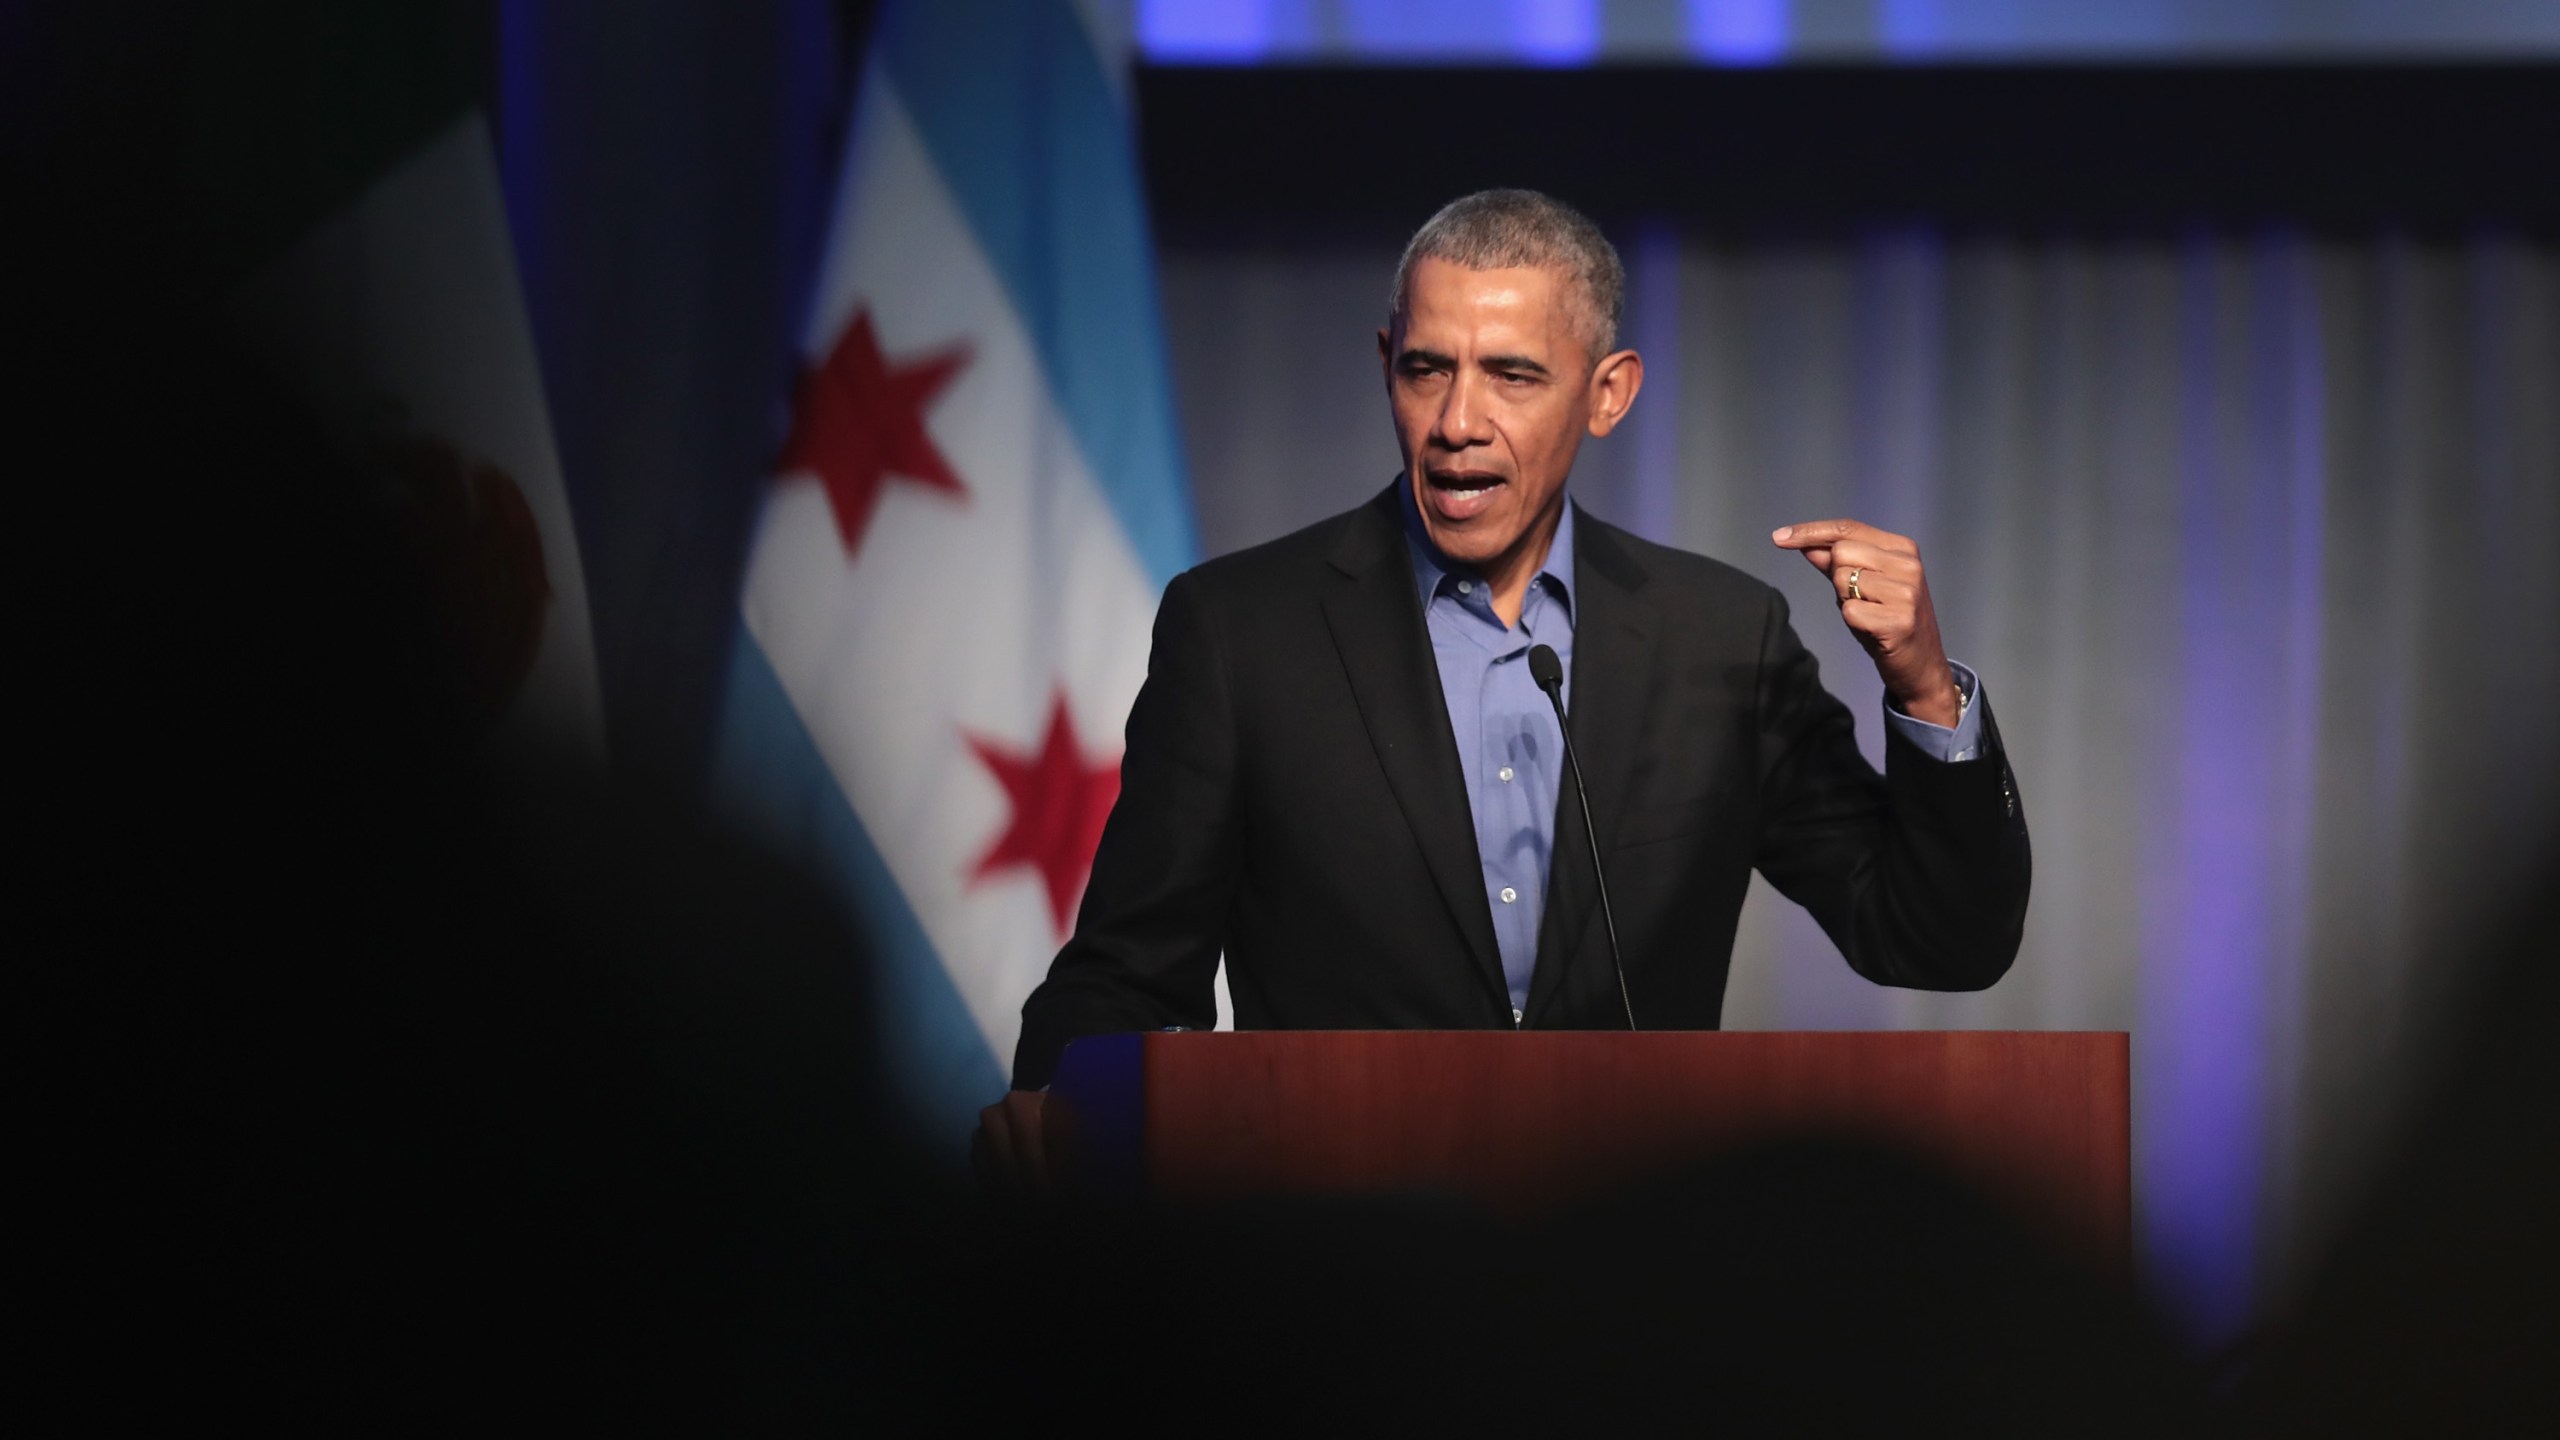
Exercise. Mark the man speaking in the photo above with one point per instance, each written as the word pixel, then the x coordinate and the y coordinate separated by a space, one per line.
pixel 1342 774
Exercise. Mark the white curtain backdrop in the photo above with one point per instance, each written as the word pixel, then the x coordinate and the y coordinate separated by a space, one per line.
pixel 2251 537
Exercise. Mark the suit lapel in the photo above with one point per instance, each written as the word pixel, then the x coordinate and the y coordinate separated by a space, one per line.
pixel 1376 619
pixel 1614 635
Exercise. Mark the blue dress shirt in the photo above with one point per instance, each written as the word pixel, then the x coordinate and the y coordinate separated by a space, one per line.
pixel 1508 748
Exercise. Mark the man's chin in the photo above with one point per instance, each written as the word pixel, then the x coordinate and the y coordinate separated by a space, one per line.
pixel 1477 545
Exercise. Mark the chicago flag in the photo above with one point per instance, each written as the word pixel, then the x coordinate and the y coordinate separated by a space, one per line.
pixel 948 603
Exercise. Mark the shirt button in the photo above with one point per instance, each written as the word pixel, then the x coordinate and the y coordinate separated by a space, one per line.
pixel 1504 772
pixel 1509 894
pixel 1466 587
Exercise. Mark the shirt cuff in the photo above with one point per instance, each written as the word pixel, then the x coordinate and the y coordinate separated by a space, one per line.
pixel 1964 742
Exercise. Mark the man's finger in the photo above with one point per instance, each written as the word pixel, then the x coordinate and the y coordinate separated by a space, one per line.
pixel 1868 556
pixel 1873 585
pixel 1807 534
pixel 1874 622
pixel 1874 582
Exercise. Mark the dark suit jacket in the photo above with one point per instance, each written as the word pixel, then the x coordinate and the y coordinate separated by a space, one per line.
pixel 1291 794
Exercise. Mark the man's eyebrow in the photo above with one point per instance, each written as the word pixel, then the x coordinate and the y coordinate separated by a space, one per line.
pixel 1415 355
pixel 1513 362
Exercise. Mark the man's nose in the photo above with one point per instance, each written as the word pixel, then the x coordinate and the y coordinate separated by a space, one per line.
pixel 1461 421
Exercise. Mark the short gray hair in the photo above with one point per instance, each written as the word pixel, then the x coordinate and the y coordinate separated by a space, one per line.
pixel 1500 229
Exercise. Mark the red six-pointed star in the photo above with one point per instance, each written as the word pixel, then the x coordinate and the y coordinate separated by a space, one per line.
pixel 1059 803
pixel 857 422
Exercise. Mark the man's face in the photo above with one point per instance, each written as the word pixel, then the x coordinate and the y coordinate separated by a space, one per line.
pixel 1492 393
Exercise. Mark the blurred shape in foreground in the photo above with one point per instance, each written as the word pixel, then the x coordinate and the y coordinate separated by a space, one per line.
pixel 350 204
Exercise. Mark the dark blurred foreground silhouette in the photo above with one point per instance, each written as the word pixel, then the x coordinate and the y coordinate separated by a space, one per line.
pixel 421 1089
pixel 2437 1311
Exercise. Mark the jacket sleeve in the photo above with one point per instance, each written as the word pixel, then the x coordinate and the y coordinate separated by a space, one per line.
pixel 1144 954
pixel 1919 876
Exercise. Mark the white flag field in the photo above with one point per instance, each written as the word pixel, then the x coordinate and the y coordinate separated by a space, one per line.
pixel 947 605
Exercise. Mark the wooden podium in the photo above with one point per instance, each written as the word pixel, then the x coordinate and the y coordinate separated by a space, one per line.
pixel 1525 1121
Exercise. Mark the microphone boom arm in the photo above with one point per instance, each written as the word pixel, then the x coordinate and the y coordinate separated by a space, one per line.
pixel 1548 671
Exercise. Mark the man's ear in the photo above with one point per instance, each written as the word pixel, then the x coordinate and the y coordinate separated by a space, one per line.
pixel 1386 356
pixel 1614 383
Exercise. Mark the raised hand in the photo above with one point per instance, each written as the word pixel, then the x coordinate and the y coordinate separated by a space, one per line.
pixel 1883 596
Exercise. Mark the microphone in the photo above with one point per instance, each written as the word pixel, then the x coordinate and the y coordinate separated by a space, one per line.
pixel 1548 672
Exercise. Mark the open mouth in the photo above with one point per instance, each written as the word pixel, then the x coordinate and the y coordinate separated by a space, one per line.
pixel 1461 495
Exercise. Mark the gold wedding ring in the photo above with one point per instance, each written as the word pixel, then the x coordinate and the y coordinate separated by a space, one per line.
pixel 1853 585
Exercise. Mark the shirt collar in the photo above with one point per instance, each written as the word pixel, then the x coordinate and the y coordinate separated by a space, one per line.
pixel 1430 567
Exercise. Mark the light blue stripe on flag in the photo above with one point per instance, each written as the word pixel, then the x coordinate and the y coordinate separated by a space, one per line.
pixel 1022 121
pixel 768 771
